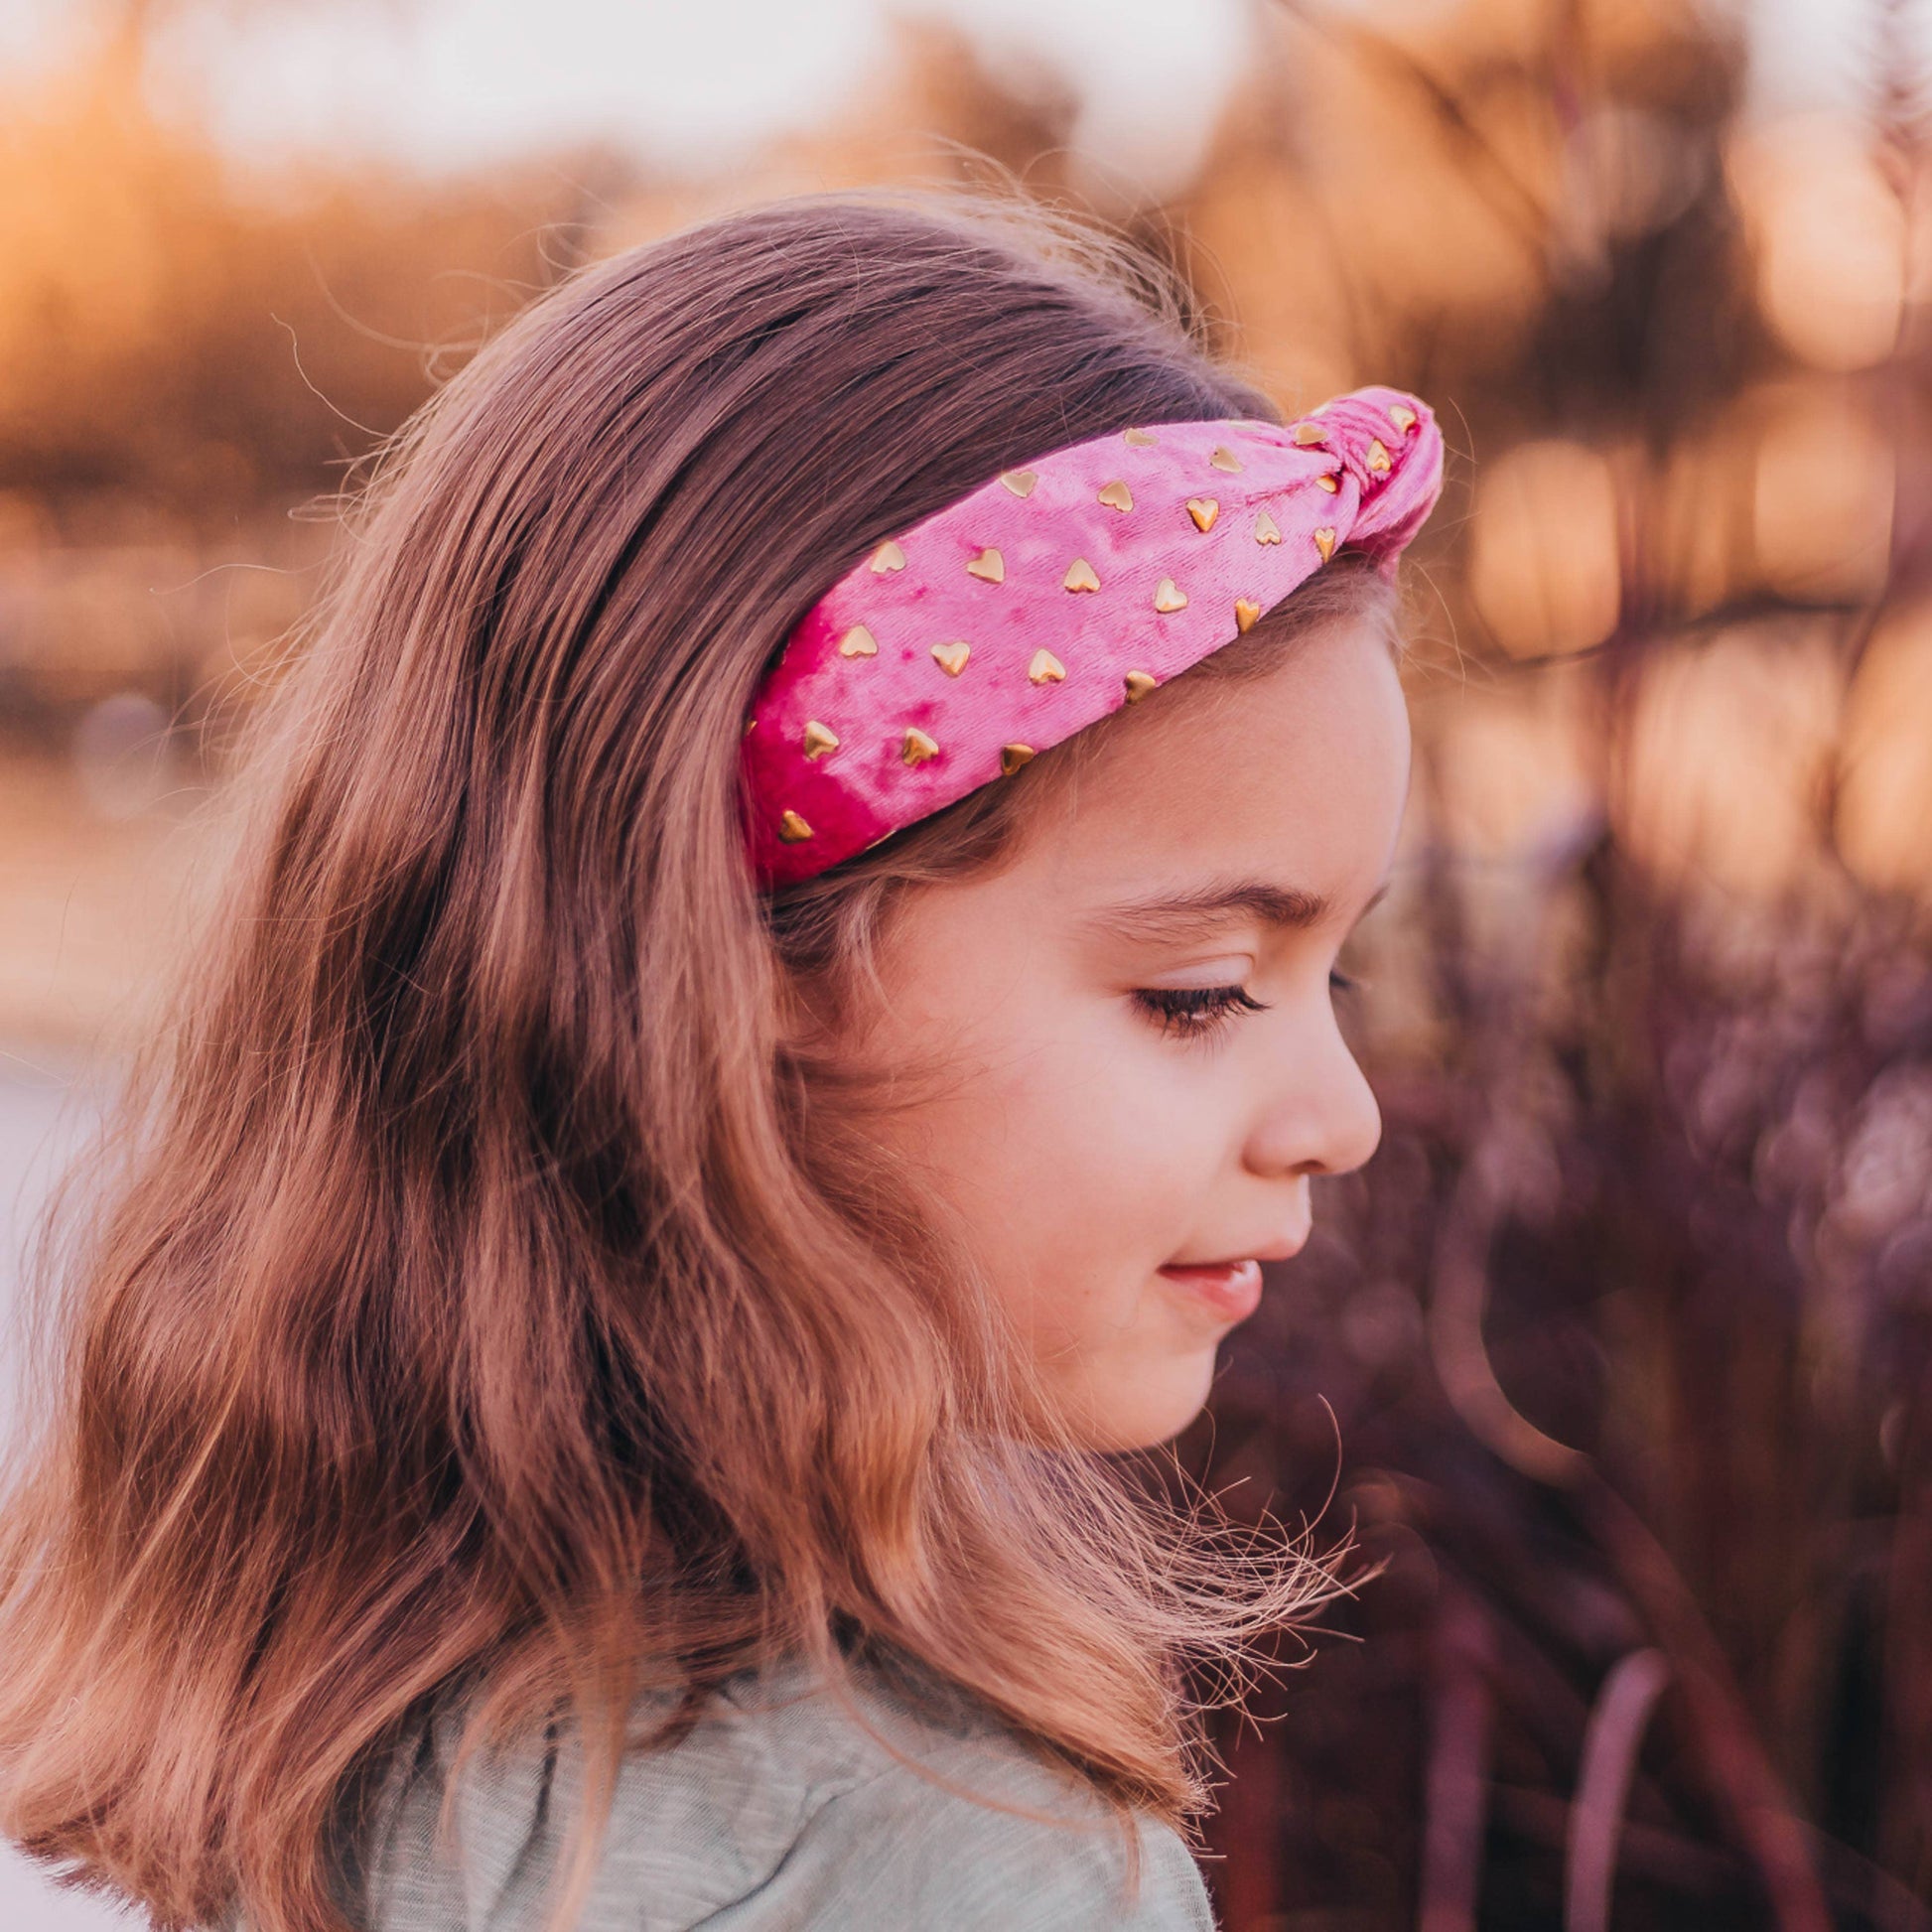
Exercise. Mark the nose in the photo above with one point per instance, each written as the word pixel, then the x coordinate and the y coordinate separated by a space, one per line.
pixel 1314 1110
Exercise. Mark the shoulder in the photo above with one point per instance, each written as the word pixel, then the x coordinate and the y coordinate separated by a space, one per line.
pixel 900 1849
pixel 779 1809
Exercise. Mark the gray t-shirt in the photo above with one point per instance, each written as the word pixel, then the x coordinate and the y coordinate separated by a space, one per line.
pixel 776 1813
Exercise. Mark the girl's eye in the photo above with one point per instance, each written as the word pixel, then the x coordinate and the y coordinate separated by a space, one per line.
pixel 1196 1010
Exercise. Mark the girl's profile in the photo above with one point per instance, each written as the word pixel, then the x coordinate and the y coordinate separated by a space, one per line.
pixel 773 988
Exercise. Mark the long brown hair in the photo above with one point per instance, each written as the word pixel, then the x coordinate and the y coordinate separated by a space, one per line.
pixel 477 1282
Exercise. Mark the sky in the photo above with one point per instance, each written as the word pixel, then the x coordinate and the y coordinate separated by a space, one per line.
pixel 700 83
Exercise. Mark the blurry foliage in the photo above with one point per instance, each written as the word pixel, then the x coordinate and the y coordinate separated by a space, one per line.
pixel 191 361
pixel 1627 1332
pixel 167 334
pixel 1618 1350
pixel 1618 1353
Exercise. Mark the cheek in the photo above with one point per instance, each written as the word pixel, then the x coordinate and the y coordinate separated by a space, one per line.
pixel 1076 1146
pixel 1098 1178
pixel 1083 1162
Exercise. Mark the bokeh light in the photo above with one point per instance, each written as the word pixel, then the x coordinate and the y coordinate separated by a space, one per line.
pixel 1543 563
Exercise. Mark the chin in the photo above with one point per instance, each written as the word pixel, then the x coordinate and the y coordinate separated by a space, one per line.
pixel 1155 1411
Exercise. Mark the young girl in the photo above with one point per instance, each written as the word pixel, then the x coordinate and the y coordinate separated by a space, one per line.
pixel 751 1047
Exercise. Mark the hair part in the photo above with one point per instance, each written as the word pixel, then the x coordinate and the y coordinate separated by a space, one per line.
pixel 471 1293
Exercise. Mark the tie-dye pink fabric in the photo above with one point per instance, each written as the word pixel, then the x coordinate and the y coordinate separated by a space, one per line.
pixel 1379 448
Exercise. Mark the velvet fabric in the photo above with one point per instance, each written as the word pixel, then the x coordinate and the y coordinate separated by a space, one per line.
pixel 876 665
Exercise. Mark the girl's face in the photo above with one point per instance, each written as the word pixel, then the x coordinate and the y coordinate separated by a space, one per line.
pixel 1141 1060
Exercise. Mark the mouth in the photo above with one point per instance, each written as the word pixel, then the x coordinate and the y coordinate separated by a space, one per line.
pixel 1229 1288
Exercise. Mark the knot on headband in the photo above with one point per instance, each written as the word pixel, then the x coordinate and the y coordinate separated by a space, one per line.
pixel 1052 594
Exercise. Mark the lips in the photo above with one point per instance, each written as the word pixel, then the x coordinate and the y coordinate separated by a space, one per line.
pixel 1230 1290
pixel 1284 1250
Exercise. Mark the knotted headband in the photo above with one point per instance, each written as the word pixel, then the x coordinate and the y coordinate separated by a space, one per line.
pixel 1050 595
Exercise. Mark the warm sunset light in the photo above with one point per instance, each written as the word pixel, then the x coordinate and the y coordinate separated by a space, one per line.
pixel 1613 1356
pixel 1543 567
pixel 1884 798
pixel 1830 238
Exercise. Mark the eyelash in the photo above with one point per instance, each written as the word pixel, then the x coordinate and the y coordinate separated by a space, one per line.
pixel 1196 1010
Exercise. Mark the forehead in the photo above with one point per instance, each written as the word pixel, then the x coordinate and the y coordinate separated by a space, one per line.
pixel 1295 774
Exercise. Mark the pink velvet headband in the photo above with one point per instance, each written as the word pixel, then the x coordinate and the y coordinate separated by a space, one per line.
pixel 1045 598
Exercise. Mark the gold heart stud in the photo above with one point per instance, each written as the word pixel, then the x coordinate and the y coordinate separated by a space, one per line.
pixel 1307 434
pixel 792 828
pixel 989 566
pixel 1378 457
pixel 1329 484
pixel 858 643
pixel 1045 669
pixel 1012 758
pixel 1116 496
pixel 1167 596
pixel 918 747
pixel 1325 541
pixel 1079 576
pixel 1203 509
pixel 951 658
pixel 1246 611
pixel 1224 457
pixel 1137 439
pixel 1019 481
pixel 888 556
pixel 1139 684
pixel 1403 417
pixel 819 739
pixel 1267 530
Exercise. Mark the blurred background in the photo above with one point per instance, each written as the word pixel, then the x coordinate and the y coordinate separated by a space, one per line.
pixel 1616 1359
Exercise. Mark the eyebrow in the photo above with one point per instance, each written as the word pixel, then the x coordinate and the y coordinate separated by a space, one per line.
pixel 1286 908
